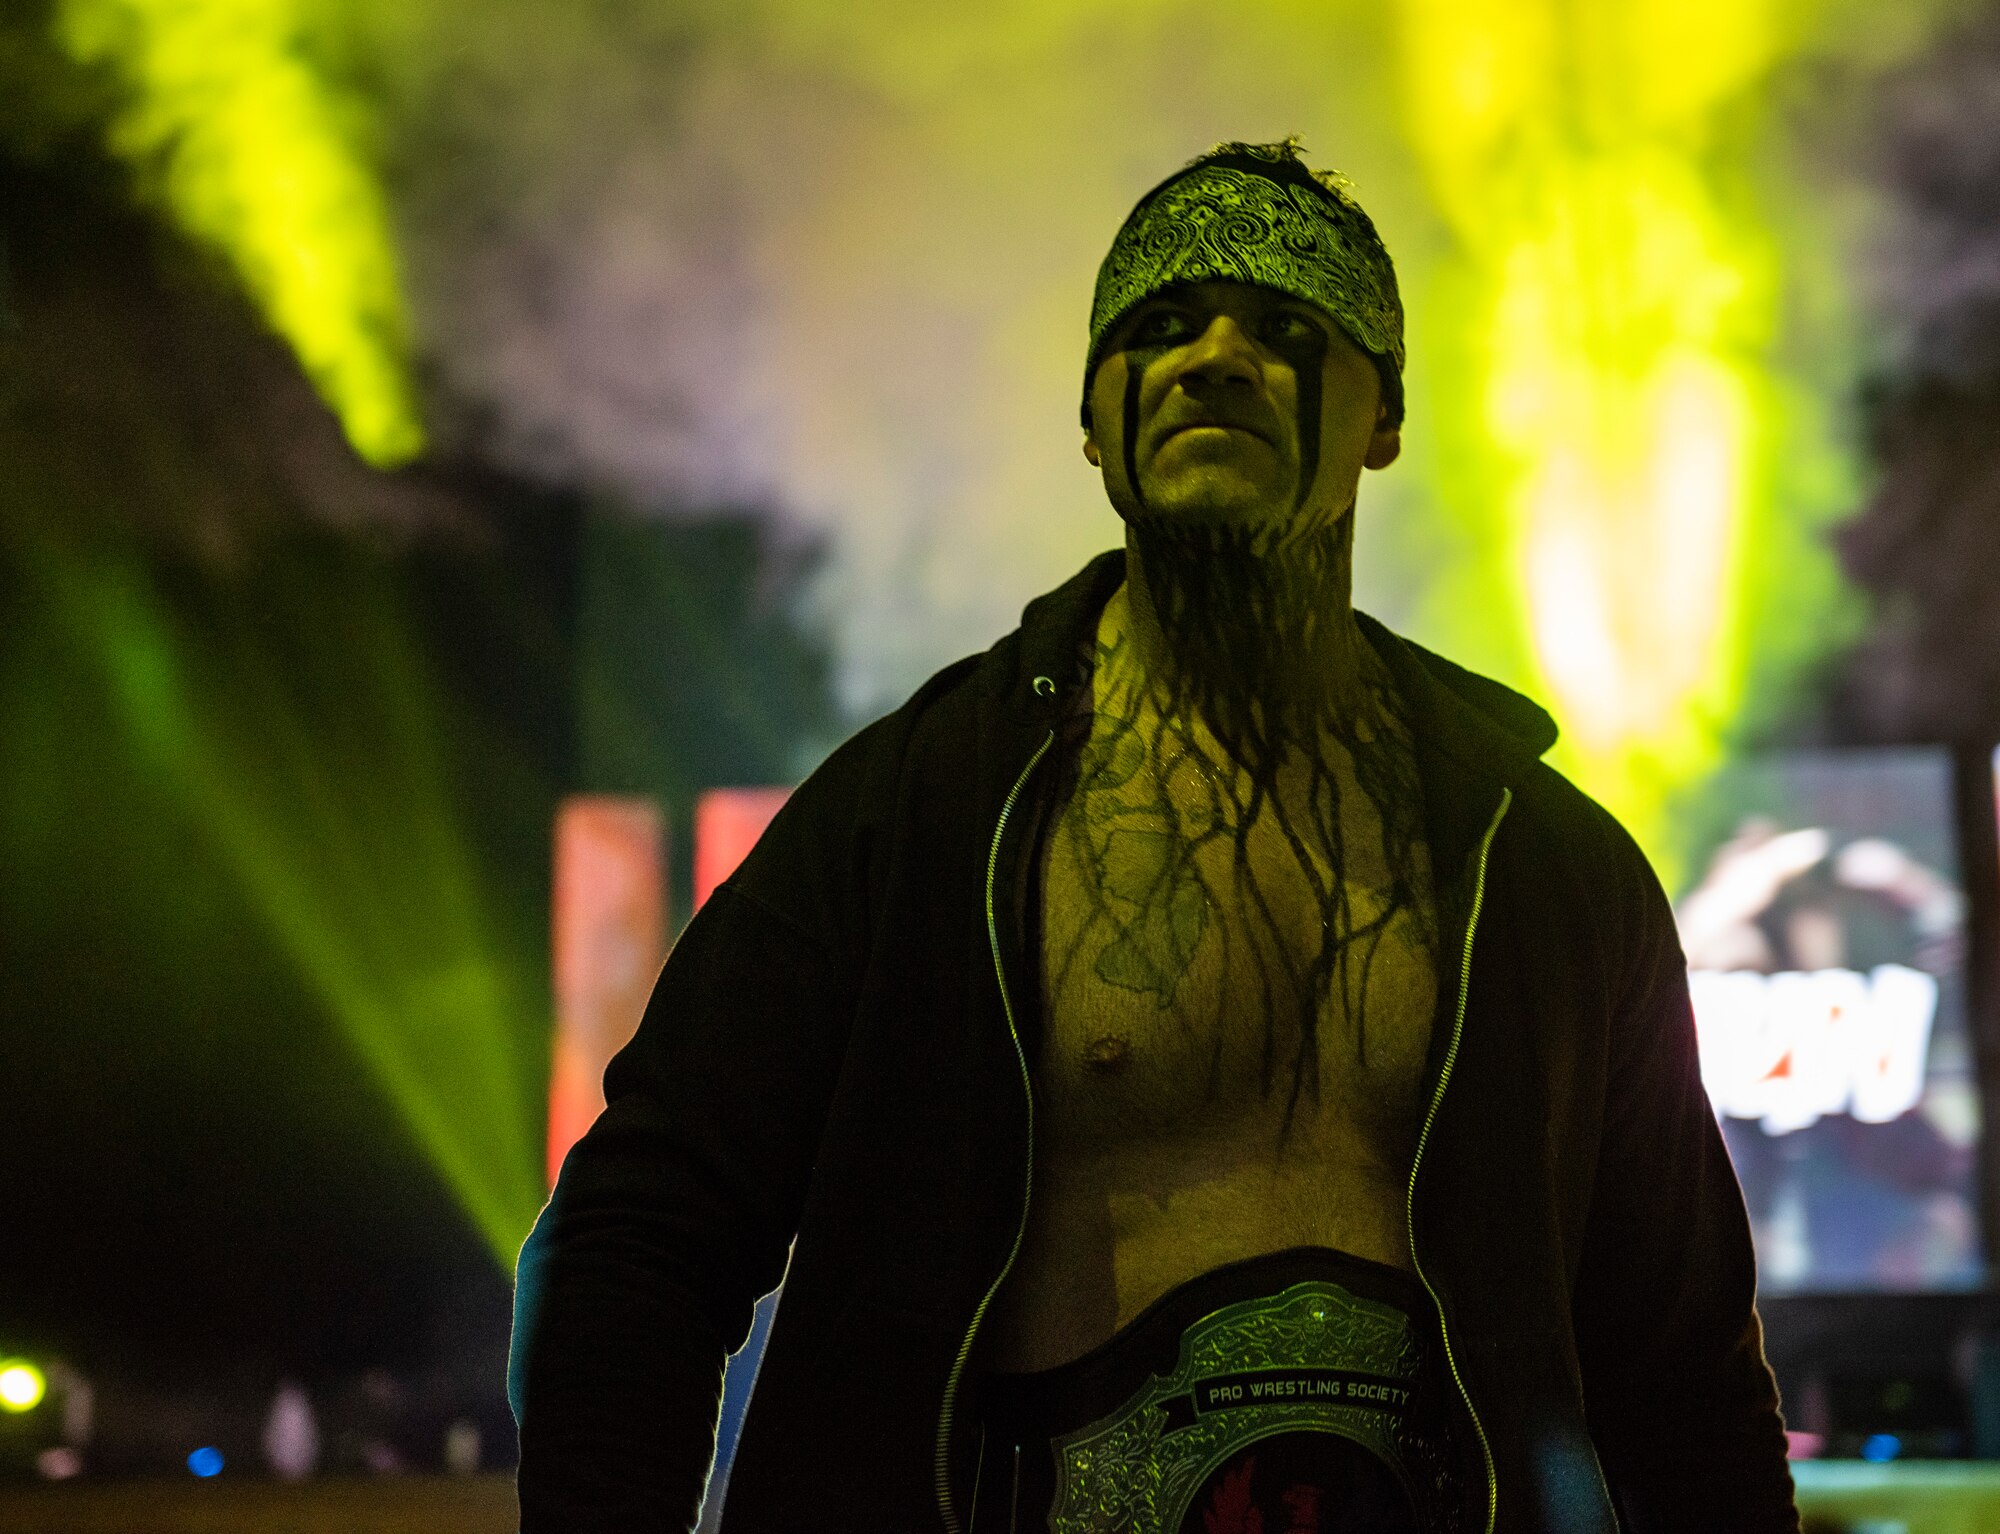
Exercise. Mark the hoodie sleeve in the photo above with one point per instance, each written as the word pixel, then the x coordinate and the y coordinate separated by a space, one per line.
pixel 1681 1402
pixel 675 1213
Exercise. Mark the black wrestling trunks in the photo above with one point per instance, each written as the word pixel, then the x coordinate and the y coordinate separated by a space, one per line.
pixel 1300 1393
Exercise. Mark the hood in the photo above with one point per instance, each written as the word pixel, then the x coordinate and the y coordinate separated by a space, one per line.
pixel 1485 723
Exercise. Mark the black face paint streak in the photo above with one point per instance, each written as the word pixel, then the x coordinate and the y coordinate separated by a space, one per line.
pixel 1308 361
pixel 1135 371
pixel 1304 352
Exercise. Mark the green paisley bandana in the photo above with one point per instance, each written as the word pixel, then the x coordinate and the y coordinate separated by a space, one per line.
pixel 1255 213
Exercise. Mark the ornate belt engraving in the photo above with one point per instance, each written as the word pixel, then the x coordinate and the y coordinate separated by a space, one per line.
pixel 1312 1359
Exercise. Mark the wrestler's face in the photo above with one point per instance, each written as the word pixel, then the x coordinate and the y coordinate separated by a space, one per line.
pixel 1230 405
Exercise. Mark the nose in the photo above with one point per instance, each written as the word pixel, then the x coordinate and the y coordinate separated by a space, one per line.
pixel 1220 355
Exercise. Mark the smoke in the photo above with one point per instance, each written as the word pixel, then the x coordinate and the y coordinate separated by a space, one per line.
pixel 233 127
pixel 834 261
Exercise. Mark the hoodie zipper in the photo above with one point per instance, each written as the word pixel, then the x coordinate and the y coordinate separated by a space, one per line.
pixel 1423 1139
pixel 945 1413
pixel 948 1409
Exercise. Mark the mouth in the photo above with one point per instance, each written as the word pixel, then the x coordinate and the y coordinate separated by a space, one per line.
pixel 1213 426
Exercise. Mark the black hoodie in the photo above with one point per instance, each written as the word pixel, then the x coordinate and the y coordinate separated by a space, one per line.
pixel 834 1063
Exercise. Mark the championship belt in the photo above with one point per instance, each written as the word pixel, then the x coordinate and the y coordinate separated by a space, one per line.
pixel 1316 1406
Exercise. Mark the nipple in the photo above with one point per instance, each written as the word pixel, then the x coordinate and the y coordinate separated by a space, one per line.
pixel 1107 1054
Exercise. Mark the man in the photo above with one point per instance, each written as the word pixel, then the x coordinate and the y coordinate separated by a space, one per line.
pixel 1209 1073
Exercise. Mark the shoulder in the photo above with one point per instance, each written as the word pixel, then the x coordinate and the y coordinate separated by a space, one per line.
pixel 863 769
pixel 1581 824
pixel 1604 877
pixel 823 853
pixel 948 713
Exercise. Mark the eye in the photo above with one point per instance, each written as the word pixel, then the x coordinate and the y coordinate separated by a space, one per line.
pixel 1286 325
pixel 1159 325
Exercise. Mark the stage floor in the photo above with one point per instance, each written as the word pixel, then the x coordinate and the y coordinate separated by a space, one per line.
pixel 1920 1498
pixel 399 1505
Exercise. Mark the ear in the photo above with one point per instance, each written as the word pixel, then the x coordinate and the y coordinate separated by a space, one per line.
pixel 1386 445
pixel 1098 390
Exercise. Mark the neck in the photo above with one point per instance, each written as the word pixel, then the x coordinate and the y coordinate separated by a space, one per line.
pixel 1258 646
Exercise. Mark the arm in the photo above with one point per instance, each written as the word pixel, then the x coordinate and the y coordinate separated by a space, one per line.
pixel 671 1217
pixel 1681 1403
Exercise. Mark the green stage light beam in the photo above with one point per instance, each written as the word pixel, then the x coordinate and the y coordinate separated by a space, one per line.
pixel 352 852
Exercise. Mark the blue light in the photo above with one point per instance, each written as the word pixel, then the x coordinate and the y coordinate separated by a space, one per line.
pixel 1879 1448
pixel 205 1462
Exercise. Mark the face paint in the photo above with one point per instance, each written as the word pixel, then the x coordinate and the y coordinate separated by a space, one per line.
pixel 1135 371
pixel 1246 631
pixel 1306 355
pixel 1308 359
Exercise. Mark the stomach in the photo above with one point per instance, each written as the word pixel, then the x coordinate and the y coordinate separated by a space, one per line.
pixel 1111 1231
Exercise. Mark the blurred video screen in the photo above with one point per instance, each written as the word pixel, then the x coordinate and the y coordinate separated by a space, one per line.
pixel 1824 925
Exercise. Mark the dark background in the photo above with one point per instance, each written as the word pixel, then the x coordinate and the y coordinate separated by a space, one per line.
pixel 204 1190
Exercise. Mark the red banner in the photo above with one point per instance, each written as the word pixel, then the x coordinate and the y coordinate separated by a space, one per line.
pixel 610 934
pixel 727 823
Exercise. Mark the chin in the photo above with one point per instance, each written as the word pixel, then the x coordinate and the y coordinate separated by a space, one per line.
pixel 1222 504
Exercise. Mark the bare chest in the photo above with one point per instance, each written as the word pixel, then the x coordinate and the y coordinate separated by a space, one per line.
pixel 1226 969
pixel 1239 975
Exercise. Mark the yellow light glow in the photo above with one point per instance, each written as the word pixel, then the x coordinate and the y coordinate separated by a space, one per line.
pixel 21 1386
pixel 1622 305
pixel 254 153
